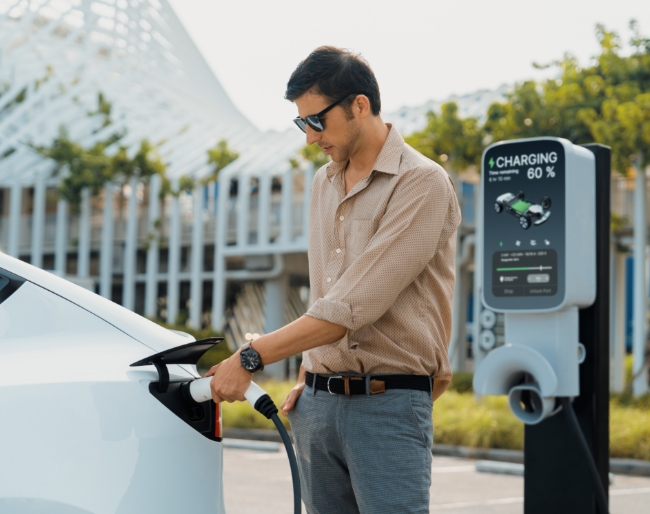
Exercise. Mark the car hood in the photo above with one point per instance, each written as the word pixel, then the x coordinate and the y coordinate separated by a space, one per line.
pixel 135 326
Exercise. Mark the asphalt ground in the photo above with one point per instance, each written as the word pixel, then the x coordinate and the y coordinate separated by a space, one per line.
pixel 258 482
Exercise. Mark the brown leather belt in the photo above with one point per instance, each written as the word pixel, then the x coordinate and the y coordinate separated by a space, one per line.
pixel 367 384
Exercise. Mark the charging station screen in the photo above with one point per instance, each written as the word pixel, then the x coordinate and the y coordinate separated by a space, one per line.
pixel 524 225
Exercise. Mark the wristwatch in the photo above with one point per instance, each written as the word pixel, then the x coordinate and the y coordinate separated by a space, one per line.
pixel 250 359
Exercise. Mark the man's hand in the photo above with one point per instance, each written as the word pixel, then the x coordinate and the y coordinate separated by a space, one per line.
pixel 230 380
pixel 290 401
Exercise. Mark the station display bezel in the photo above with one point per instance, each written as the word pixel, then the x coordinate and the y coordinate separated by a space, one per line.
pixel 524 225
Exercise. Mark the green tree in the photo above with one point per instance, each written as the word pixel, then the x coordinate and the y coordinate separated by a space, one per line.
pixel 311 153
pixel 605 102
pixel 623 119
pixel 82 167
pixel 450 138
pixel 220 156
pixel 550 108
pixel 144 164
pixel 104 109
pixel 92 168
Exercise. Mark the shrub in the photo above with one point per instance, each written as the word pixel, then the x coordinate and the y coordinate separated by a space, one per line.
pixel 463 420
pixel 461 382
pixel 243 415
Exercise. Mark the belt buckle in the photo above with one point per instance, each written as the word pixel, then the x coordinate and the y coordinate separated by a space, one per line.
pixel 346 384
pixel 328 384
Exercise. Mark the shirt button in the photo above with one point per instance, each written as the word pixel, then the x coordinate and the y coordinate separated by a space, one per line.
pixel 338 250
pixel 341 218
pixel 329 279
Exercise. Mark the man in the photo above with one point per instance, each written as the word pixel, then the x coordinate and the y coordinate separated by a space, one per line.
pixel 381 262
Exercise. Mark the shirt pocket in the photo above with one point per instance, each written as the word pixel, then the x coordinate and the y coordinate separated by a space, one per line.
pixel 358 236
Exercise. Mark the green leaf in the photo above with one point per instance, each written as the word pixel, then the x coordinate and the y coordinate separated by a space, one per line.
pixel 220 156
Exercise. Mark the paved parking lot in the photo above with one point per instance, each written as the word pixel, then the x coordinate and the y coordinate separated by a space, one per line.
pixel 456 487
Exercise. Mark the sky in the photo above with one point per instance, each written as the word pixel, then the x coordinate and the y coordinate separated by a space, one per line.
pixel 418 49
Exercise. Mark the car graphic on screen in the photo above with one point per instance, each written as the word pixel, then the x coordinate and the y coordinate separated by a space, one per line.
pixel 529 213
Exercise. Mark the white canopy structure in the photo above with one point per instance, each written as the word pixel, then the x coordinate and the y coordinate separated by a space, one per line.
pixel 56 57
pixel 156 256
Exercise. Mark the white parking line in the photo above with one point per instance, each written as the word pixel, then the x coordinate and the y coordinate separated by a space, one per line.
pixel 624 492
pixel 520 499
pixel 267 456
pixel 453 469
pixel 247 444
pixel 463 505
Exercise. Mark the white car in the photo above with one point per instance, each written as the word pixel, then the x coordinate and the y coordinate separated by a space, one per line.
pixel 84 432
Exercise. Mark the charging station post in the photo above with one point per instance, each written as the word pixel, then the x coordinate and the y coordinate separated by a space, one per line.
pixel 556 476
pixel 545 265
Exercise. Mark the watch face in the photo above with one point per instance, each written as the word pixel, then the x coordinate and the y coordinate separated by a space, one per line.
pixel 250 360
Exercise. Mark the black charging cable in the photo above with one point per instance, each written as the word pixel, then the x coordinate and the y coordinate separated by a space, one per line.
pixel 265 406
pixel 601 495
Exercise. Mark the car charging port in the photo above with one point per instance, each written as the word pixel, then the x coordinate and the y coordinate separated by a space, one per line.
pixel 195 414
pixel 204 417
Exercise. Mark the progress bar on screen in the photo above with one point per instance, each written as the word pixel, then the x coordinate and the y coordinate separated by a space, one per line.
pixel 528 268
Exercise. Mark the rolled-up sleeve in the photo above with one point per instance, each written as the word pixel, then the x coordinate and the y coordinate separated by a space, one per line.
pixel 422 205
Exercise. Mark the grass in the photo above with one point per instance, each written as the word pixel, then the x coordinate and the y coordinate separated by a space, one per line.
pixel 629 428
pixel 242 414
pixel 460 419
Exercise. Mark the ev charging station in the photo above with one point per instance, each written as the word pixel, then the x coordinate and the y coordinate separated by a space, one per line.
pixel 544 241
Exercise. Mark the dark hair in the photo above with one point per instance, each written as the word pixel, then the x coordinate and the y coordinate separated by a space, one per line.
pixel 334 72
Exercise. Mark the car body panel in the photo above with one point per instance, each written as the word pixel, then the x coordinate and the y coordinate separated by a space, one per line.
pixel 141 329
pixel 105 447
pixel 80 431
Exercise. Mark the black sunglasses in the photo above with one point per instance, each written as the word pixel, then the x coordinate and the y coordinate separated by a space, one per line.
pixel 314 120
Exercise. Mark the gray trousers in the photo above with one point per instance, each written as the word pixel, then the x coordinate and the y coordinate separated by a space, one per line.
pixel 364 454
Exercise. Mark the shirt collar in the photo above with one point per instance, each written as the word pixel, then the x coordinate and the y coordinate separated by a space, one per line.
pixel 387 161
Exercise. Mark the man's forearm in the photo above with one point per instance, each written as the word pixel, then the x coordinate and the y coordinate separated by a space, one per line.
pixel 296 337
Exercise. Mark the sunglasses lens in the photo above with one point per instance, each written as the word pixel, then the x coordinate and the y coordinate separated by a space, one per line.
pixel 315 123
pixel 301 124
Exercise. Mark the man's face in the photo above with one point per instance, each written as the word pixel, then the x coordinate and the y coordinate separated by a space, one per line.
pixel 340 134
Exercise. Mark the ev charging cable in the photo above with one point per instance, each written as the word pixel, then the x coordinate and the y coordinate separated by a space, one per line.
pixel 601 495
pixel 201 392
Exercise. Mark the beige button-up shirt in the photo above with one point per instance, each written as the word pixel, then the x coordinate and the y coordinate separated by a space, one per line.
pixel 381 264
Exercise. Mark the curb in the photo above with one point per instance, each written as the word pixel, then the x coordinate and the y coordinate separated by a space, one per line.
pixel 616 466
pixel 252 444
pixel 256 434
pixel 495 454
pixel 500 468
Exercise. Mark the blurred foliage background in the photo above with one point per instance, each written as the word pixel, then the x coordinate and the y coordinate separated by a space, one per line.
pixel 607 101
